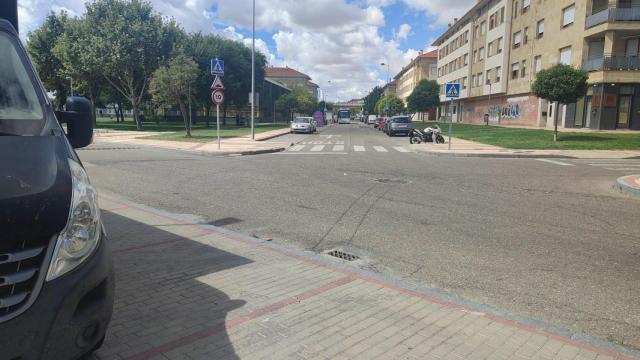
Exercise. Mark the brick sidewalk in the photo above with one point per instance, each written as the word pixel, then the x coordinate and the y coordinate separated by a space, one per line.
pixel 191 291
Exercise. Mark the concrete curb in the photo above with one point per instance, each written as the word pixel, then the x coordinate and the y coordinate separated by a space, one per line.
pixel 499 155
pixel 133 146
pixel 629 184
pixel 273 136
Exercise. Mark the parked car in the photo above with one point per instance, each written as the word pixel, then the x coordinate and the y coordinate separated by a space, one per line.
pixel 303 124
pixel 56 272
pixel 398 125
pixel 371 119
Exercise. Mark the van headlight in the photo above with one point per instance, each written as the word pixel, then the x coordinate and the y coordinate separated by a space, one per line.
pixel 80 236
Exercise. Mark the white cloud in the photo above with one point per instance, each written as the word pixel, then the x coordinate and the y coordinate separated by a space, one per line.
pixel 443 10
pixel 403 32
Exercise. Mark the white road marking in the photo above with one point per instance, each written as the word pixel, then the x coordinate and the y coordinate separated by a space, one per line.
pixel 555 162
pixel 380 149
pixel 340 142
pixel 622 169
pixel 313 153
pixel 358 148
pixel 401 149
pixel 88 164
pixel 317 148
pixel 615 164
pixel 338 148
pixel 296 148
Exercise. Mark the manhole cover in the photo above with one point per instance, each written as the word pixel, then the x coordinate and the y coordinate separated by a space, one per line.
pixel 391 181
pixel 343 255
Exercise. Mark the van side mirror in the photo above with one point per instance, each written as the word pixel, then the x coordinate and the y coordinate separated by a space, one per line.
pixel 78 116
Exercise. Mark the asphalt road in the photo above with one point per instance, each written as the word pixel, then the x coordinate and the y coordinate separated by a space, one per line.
pixel 552 241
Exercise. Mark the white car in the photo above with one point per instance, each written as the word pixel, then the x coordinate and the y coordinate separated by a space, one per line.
pixel 303 124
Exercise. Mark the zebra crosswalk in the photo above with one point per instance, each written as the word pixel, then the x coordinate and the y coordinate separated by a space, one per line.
pixel 614 164
pixel 340 148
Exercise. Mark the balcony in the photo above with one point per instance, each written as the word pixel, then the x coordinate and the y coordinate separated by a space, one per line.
pixel 612 62
pixel 613 15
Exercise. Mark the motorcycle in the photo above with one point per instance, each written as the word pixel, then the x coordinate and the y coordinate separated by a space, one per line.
pixel 417 136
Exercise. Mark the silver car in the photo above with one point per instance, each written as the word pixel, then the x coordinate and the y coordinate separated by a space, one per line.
pixel 303 124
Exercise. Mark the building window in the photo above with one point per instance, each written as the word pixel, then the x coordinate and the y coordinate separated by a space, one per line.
pixel 473 81
pixel 568 15
pixel 565 55
pixel 481 54
pixel 466 36
pixel 466 59
pixel 526 35
pixel 488 76
pixel 490 49
pixel 480 79
pixel 498 74
pixel 525 5
pixel 483 28
pixel 499 46
pixel 537 63
pixel 523 71
pixel 502 15
pixel 517 39
pixel 492 21
pixel 540 29
pixel 515 10
pixel 464 82
pixel 475 56
pixel 515 70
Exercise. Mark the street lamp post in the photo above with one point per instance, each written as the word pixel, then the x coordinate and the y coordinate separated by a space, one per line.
pixel 253 72
pixel 70 85
pixel 388 81
pixel 489 104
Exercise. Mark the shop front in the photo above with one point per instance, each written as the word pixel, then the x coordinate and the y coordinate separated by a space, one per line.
pixel 609 107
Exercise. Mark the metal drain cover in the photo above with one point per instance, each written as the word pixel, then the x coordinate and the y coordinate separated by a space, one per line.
pixel 343 255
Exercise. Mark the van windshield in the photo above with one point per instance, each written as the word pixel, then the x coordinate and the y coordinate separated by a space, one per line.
pixel 19 103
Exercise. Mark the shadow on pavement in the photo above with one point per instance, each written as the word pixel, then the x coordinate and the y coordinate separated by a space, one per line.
pixel 162 295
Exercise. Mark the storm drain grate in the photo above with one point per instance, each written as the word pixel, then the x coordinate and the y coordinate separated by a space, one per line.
pixel 343 255
pixel 391 181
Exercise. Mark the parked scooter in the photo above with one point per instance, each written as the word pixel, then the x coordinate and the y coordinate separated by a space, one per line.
pixel 417 136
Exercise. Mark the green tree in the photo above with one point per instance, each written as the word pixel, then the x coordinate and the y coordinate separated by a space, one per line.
pixel 298 100
pixel 237 58
pixel 560 83
pixel 129 40
pixel 40 45
pixel 425 96
pixel 396 106
pixel 170 84
pixel 371 100
pixel 72 50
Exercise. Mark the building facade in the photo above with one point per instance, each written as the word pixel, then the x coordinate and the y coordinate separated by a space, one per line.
pixel 291 78
pixel 511 40
pixel 423 67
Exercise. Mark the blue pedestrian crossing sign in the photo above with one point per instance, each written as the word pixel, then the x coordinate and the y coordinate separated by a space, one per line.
pixel 217 67
pixel 452 90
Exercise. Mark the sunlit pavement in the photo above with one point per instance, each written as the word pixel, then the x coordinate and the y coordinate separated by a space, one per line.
pixel 187 290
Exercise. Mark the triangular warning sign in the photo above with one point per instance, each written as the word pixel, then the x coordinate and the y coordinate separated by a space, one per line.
pixel 453 92
pixel 217 84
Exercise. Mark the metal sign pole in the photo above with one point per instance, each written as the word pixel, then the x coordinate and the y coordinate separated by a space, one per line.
pixel 218 124
pixel 450 121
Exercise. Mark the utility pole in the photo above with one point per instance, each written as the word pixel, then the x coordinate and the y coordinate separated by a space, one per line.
pixel 388 81
pixel 253 73
pixel 190 119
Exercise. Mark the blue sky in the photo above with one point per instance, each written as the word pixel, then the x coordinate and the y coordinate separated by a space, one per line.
pixel 339 43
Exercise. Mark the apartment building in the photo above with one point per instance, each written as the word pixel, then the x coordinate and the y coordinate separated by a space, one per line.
pixel 600 36
pixel 424 66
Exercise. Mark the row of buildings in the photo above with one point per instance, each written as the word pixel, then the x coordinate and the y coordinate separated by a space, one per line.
pixel 496 49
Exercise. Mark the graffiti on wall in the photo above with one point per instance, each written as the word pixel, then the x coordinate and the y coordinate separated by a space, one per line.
pixel 508 111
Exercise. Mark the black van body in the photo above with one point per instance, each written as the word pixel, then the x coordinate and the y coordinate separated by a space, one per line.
pixel 45 316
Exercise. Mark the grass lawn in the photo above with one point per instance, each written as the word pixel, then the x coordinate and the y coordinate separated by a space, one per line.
pixel 515 138
pixel 175 130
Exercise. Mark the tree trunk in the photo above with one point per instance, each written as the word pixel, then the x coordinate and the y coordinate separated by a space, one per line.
pixel 185 117
pixel 136 116
pixel 224 114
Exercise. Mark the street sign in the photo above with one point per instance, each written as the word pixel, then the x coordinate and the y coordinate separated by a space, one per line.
pixel 217 84
pixel 217 67
pixel 217 97
pixel 452 90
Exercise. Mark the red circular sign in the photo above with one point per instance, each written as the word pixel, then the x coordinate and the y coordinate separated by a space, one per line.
pixel 217 97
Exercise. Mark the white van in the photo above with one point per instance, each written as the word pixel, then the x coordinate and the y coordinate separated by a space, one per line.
pixel 372 119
